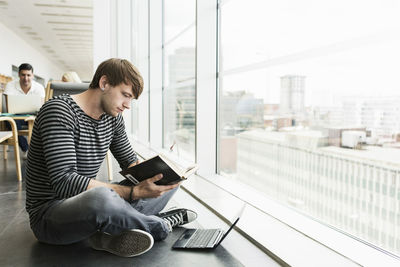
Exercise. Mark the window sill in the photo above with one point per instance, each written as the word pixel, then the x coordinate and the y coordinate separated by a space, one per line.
pixel 285 235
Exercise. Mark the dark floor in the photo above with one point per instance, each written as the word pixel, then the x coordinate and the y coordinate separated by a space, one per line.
pixel 18 246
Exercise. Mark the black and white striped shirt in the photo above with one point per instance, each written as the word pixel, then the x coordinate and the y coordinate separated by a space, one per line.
pixel 66 151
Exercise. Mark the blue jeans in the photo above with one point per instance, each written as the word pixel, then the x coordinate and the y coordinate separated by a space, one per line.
pixel 100 209
pixel 23 143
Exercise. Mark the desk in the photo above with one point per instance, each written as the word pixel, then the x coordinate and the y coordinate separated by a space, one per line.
pixel 30 119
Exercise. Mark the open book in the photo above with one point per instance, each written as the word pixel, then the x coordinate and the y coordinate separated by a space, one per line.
pixel 172 173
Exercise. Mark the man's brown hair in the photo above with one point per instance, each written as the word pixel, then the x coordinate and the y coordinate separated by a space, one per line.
pixel 119 71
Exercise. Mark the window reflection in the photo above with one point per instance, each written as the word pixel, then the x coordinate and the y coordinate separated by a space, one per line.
pixel 179 77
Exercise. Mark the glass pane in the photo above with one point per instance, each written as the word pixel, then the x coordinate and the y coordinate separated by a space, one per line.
pixel 310 109
pixel 178 16
pixel 179 79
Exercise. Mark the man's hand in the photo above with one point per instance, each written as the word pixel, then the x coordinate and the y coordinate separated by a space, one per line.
pixel 148 188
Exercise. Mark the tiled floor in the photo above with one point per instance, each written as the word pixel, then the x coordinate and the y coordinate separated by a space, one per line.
pixel 18 246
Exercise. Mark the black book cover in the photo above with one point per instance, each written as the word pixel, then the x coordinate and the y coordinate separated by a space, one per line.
pixel 150 168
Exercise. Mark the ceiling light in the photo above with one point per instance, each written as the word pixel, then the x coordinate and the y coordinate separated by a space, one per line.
pixel 25 28
pixel 77 40
pixel 77 45
pixel 72 30
pixel 70 43
pixel 74 35
pixel 83 50
pixel 69 23
pixel 67 15
pixel 64 6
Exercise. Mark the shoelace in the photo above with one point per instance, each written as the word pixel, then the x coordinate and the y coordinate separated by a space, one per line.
pixel 175 219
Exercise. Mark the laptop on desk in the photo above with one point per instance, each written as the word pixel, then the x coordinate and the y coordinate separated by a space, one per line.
pixel 24 104
pixel 203 238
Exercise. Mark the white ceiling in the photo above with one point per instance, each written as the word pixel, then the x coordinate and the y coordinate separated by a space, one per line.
pixel 60 29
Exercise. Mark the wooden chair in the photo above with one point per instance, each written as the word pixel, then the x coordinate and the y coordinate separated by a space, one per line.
pixel 30 120
pixel 27 132
pixel 59 88
pixel 11 138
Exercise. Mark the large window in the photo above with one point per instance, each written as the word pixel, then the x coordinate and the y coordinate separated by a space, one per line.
pixel 309 109
pixel 179 77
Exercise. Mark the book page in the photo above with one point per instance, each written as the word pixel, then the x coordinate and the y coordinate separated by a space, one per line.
pixel 190 170
pixel 173 166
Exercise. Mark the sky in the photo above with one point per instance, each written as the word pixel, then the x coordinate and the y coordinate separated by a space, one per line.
pixel 343 47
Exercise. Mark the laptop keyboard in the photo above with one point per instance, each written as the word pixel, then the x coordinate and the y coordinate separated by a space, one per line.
pixel 202 237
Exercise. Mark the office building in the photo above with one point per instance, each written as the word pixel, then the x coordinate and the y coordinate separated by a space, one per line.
pixel 292 94
pixel 348 188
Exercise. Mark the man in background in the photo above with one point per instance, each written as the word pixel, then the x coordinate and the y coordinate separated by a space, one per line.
pixel 25 85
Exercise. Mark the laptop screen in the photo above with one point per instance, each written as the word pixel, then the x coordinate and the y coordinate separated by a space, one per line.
pixel 227 232
pixel 24 104
pixel 240 213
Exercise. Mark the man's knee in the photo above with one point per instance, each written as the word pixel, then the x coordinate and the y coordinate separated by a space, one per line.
pixel 102 199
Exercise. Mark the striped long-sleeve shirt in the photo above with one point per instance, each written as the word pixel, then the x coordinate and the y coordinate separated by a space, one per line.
pixel 66 151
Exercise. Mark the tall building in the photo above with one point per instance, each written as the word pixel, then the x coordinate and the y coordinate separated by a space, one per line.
pixel 292 94
pixel 181 65
pixel 381 115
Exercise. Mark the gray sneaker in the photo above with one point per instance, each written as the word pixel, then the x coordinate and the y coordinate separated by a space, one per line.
pixel 127 244
pixel 177 217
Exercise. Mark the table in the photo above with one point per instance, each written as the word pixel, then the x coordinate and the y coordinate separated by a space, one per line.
pixel 30 119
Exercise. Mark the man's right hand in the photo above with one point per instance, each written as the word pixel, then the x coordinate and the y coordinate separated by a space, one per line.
pixel 148 188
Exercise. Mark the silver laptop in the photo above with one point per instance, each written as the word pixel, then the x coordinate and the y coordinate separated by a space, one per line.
pixel 203 238
pixel 24 104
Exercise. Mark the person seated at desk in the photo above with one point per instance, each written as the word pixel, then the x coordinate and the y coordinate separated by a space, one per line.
pixel 25 85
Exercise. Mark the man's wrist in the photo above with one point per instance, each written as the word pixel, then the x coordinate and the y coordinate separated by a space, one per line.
pixel 131 195
pixel 135 193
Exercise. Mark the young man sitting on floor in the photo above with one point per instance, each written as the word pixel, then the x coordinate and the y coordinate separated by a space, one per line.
pixel 70 139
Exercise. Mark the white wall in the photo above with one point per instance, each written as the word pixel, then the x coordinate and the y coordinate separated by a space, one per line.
pixel 15 50
pixel 101 32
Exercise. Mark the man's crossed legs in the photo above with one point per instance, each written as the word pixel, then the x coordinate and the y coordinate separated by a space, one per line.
pixel 110 222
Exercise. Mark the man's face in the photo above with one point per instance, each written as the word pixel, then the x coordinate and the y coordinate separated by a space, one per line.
pixel 25 78
pixel 116 99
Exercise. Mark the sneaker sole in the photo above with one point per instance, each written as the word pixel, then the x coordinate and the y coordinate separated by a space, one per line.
pixel 127 244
